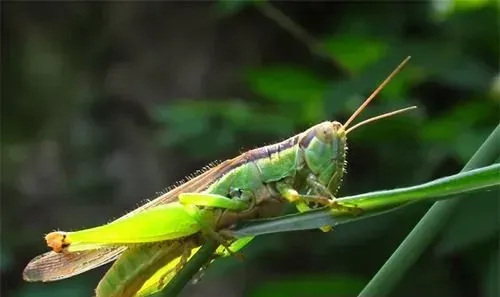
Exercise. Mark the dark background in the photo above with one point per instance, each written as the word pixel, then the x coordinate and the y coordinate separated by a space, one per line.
pixel 104 104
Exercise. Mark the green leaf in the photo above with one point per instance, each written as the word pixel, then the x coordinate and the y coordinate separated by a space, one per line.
pixel 356 52
pixel 451 126
pixel 372 203
pixel 300 91
pixel 287 84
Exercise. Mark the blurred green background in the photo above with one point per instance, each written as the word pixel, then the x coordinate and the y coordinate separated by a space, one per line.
pixel 104 104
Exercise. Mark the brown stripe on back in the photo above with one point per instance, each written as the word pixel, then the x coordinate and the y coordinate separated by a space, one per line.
pixel 261 152
pixel 268 150
pixel 308 137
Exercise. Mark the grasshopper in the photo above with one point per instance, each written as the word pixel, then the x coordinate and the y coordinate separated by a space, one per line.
pixel 155 240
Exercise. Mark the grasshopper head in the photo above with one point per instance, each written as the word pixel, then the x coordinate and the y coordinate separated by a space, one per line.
pixel 324 147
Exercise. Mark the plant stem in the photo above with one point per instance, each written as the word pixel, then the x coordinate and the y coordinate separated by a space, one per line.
pixel 428 227
pixel 202 257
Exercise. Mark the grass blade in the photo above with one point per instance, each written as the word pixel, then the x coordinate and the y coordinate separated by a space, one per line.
pixel 377 203
pixel 428 227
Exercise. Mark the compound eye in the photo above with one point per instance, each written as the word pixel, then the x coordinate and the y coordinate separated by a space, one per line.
pixel 336 125
pixel 325 132
pixel 338 129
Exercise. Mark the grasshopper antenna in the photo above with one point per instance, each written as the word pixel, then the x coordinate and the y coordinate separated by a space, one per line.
pixel 385 115
pixel 375 93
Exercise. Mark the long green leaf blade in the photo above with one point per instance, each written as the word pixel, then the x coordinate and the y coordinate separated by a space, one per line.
pixel 376 203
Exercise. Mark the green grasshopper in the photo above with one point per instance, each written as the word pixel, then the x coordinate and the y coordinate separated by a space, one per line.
pixel 155 240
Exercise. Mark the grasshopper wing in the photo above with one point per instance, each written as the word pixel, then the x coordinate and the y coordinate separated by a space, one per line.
pixel 54 266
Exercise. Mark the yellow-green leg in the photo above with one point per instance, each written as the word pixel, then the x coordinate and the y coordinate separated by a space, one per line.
pixel 299 200
pixel 333 202
pixel 206 217
pixel 323 197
